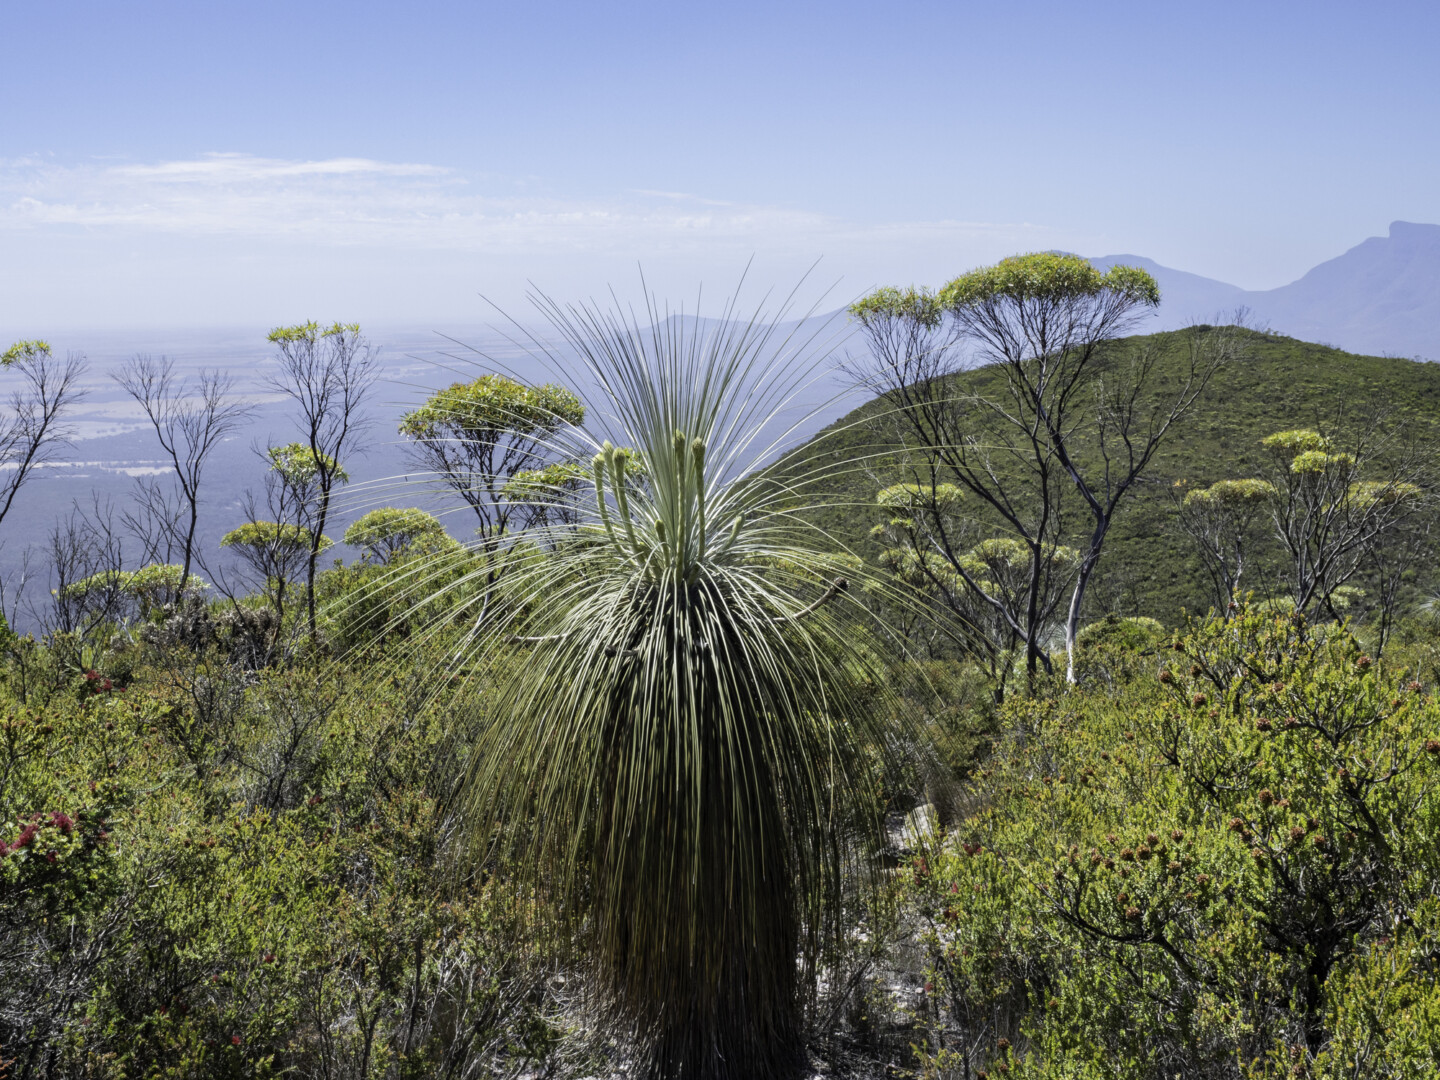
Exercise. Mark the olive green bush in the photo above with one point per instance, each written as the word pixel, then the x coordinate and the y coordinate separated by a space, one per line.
pixel 1226 869
pixel 209 873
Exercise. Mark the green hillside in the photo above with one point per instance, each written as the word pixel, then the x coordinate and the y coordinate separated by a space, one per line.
pixel 1150 568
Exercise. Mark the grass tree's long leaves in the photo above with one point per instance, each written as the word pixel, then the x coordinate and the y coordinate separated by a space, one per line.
pixel 691 741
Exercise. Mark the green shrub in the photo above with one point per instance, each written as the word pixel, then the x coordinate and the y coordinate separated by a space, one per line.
pixel 206 874
pixel 1137 633
pixel 1229 871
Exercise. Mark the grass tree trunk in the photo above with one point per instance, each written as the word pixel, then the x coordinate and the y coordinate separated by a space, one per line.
pixel 699 933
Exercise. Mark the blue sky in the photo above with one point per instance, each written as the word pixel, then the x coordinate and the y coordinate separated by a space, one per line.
pixel 195 163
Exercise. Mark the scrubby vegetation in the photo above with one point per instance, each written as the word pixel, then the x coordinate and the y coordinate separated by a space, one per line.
pixel 215 871
pixel 685 769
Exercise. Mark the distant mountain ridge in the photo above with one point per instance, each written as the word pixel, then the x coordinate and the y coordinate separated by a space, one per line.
pixel 1381 298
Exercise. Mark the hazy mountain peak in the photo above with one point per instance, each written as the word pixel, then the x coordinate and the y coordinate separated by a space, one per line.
pixel 1380 297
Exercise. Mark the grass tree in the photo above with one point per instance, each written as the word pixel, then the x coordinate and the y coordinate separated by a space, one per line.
pixel 685 755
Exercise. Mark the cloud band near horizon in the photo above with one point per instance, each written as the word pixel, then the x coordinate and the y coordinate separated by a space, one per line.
pixel 345 201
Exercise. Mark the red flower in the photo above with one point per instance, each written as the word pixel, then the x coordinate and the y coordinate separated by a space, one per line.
pixel 234 1040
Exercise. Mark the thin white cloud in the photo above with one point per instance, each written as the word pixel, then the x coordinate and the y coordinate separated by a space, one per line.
pixel 358 201
pixel 680 196
pixel 244 168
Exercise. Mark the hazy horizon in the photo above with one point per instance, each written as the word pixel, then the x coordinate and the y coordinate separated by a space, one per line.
pixel 175 165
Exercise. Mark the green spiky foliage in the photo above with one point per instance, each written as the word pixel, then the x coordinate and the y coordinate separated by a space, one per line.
pixel 689 747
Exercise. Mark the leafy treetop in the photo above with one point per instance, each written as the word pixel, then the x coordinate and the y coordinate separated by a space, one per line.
pixel 381 534
pixel 310 332
pixel 492 407
pixel 1296 442
pixel 24 350
pixel 299 465
pixel 284 536
pixel 1048 277
pixel 920 305
pixel 547 482
pixel 1231 493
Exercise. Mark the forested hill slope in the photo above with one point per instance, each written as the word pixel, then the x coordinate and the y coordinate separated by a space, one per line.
pixel 1149 567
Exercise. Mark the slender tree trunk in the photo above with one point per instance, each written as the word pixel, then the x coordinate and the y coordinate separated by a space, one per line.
pixel 315 542
pixel 1239 572
pixel 1077 598
pixel 189 547
pixel 1032 613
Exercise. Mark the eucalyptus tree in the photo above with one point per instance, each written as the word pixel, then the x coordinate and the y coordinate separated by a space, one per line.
pixel 87 568
pixel 1063 414
pixel 686 750
pixel 189 421
pixel 1333 505
pixel 279 539
pixel 41 389
pixel 476 437
pixel 1334 510
pixel 928 539
pixel 1225 521
pixel 328 372
pixel 388 532
pixel 276 552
